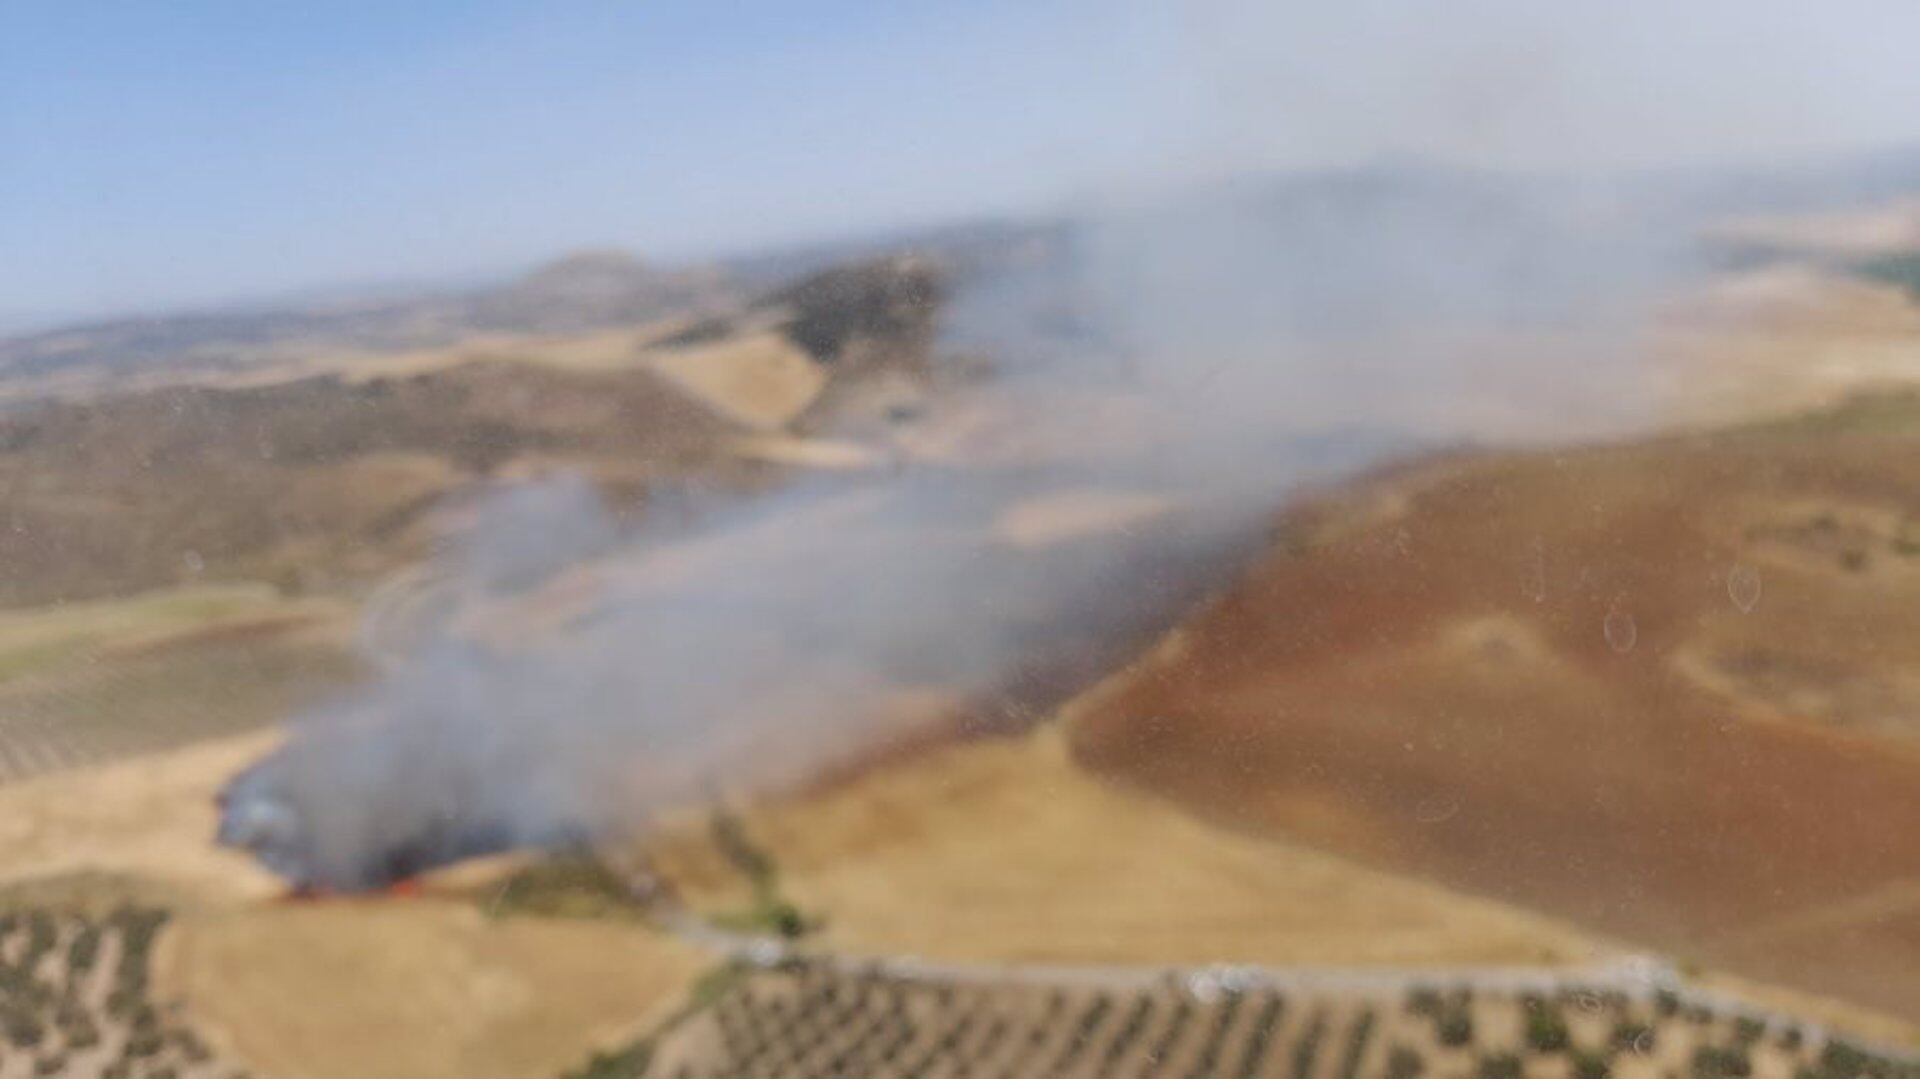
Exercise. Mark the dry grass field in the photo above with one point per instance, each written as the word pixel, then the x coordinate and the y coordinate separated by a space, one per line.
pixel 1001 850
pixel 1778 340
pixel 418 987
pixel 87 683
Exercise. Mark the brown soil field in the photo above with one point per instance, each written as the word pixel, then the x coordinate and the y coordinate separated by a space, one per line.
pixel 314 485
pixel 1664 689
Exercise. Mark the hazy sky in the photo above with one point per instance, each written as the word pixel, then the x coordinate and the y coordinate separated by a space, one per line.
pixel 155 154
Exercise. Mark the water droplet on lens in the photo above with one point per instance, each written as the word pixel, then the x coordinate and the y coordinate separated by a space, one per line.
pixel 1743 587
pixel 1533 580
pixel 1620 631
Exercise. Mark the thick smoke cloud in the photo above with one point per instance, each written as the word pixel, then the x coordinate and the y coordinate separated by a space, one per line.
pixel 1219 348
pixel 1190 355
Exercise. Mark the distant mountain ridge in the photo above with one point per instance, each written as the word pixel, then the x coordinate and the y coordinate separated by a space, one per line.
pixel 1514 223
pixel 579 293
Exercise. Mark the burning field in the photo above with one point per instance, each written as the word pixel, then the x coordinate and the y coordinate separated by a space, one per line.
pixel 1233 626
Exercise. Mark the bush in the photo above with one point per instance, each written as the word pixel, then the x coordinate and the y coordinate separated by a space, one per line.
pixel 1715 1062
pixel 83 1036
pixel 1499 1066
pixel 1307 1049
pixel 1588 1065
pixel 1843 1060
pixel 1546 1029
pixel 1425 1001
pixel 1357 1038
pixel 1404 1063
pixel 1455 1028
pixel 1631 1037
pixel 84 949
pixel 144 1043
pixel 23 1029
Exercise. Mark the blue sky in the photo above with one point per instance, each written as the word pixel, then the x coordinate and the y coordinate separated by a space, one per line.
pixel 180 152
pixel 170 152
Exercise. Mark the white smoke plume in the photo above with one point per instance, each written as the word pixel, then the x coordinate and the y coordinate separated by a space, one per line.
pixel 1177 361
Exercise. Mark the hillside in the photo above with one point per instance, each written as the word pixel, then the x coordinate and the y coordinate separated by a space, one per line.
pixel 329 478
pixel 1662 688
pixel 584 291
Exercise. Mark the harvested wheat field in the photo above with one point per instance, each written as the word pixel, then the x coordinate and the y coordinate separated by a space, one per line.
pixel 91 683
pixel 1780 339
pixel 417 988
pixel 1001 850
pixel 1663 689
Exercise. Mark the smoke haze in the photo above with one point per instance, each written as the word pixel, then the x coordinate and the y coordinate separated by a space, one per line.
pixel 1177 362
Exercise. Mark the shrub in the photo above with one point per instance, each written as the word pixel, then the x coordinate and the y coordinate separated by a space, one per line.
pixel 1455 1028
pixel 1357 1038
pixel 1499 1066
pixel 23 1029
pixel 1307 1049
pixel 41 933
pixel 1715 1062
pixel 1404 1063
pixel 1546 1029
pixel 1632 1037
pixel 191 1047
pixel 84 949
pixel 627 1063
pixel 1841 1059
pixel 144 1043
pixel 1588 1065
